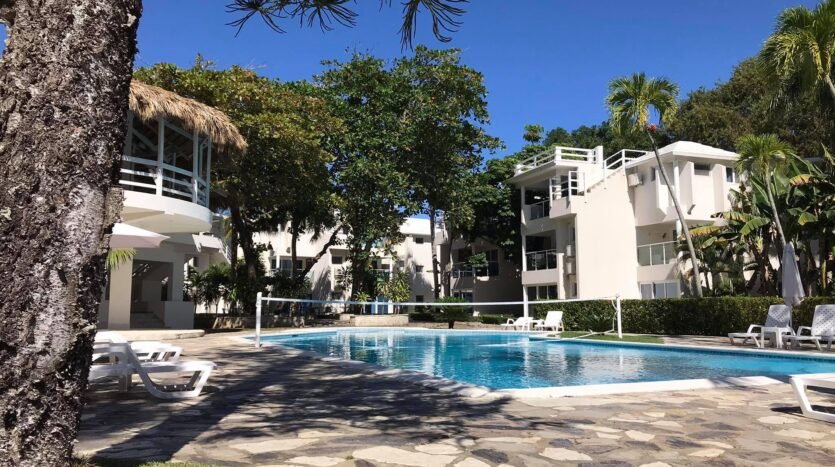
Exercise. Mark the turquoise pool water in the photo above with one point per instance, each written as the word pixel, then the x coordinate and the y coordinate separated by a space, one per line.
pixel 504 360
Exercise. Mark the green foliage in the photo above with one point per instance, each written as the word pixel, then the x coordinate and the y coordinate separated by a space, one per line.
pixel 118 256
pixel 396 288
pixel 711 316
pixel 495 319
pixel 423 316
pixel 211 286
pixel 632 100
pixel 452 312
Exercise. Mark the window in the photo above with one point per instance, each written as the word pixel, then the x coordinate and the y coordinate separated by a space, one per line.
pixel 701 169
pixel 730 175
pixel 419 298
pixel 419 240
pixel 418 268
pixel 273 263
pixel 542 292
pixel 668 289
pixel 465 294
pixel 337 259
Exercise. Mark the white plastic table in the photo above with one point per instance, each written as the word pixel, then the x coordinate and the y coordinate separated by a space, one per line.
pixel 778 332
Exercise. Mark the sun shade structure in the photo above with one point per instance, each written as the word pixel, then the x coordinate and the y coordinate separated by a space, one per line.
pixel 128 236
pixel 793 292
pixel 150 103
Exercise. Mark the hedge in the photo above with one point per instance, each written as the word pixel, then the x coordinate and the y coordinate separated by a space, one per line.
pixel 713 316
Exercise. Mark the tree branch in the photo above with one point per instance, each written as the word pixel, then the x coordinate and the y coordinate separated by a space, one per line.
pixel 7 10
pixel 332 240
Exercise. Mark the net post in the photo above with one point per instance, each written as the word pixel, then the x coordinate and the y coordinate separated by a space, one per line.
pixel 258 320
pixel 617 307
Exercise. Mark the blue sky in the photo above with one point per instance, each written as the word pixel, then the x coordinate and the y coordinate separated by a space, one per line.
pixel 544 62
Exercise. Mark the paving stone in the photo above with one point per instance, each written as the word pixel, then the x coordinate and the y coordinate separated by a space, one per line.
pixel 639 435
pixel 471 462
pixel 656 464
pixel 491 455
pixel 801 434
pixel 562 454
pixel 274 445
pixel 707 453
pixel 437 448
pixel 402 457
pixel 776 420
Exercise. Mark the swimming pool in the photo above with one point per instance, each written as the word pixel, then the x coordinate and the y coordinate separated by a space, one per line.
pixel 513 360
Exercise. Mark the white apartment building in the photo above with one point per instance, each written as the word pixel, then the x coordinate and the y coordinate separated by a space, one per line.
pixel 413 257
pixel 165 175
pixel 595 226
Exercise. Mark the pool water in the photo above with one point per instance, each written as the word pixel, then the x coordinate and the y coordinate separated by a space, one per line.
pixel 505 360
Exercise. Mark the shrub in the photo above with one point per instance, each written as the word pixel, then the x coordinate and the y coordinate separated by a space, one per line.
pixel 712 316
pixel 496 319
pixel 452 313
pixel 421 317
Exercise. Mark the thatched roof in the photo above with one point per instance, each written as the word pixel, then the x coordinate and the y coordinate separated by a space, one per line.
pixel 150 102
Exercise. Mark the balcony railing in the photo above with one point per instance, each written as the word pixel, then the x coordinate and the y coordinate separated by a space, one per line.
pixel 539 210
pixel 146 176
pixel 462 269
pixel 465 269
pixel 537 260
pixel 558 153
pixel 572 185
pixel 657 253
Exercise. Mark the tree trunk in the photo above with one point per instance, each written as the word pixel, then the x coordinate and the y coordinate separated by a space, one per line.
pixel 824 258
pixel 294 252
pixel 697 282
pixel 64 82
pixel 774 214
pixel 250 255
pixel 436 286
pixel 233 267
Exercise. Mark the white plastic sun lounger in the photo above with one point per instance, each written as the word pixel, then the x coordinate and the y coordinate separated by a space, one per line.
pixel 127 363
pixel 510 324
pixel 779 316
pixel 801 385
pixel 553 320
pixel 822 329
pixel 523 324
pixel 145 350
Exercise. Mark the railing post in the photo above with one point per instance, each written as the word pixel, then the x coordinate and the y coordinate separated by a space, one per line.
pixel 617 307
pixel 160 153
pixel 258 320
pixel 195 154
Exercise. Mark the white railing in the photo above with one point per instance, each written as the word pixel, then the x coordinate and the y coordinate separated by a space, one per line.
pixel 558 153
pixel 462 269
pixel 537 260
pixel 144 175
pixel 622 157
pixel 573 185
pixel 653 254
pixel 539 209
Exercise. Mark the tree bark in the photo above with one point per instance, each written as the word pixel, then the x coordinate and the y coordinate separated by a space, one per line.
pixel 332 240
pixel 436 286
pixel 774 214
pixel 64 83
pixel 697 281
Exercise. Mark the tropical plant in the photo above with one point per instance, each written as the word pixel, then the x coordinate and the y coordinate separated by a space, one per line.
pixel 799 55
pixel 455 309
pixel 119 256
pixel 762 156
pixel 630 101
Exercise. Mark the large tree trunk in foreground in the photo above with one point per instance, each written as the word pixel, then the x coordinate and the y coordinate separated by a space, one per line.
pixel 64 80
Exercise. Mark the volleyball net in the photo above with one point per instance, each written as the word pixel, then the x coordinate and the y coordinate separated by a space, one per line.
pixel 604 317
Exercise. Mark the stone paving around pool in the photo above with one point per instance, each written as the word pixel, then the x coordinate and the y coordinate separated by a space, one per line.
pixel 266 407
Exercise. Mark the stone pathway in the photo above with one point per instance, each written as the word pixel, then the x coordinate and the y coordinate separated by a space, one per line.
pixel 269 408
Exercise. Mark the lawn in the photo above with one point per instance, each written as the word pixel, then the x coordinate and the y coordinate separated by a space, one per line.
pixel 626 338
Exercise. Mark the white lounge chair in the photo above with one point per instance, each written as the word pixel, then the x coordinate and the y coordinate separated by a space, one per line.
pixel 145 350
pixel 801 385
pixel 553 320
pixel 523 324
pixel 779 316
pixel 127 363
pixel 510 324
pixel 822 329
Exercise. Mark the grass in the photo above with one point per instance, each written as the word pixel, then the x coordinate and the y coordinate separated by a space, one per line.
pixel 626 338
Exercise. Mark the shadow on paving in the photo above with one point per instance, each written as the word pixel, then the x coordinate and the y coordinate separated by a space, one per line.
pixel 277 395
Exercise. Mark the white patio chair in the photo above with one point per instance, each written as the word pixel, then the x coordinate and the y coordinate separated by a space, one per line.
pixel 127 363
pixel 153 351
pixel 553 320
pixel 801 385
pixel 779 316
pixel 510 324
pixel 822 329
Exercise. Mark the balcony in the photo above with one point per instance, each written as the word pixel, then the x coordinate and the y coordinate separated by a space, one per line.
pixel 538 260
pixel 165 176
pixel 539 210
pixel 556 155
pixel 653 254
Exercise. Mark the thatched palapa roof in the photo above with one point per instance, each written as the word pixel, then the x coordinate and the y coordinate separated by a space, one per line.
pixel 150 102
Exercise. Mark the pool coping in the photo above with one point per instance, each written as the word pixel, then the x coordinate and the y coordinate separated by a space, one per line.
pixel 475 391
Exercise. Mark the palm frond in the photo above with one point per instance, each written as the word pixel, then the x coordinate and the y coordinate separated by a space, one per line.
pixel 119 256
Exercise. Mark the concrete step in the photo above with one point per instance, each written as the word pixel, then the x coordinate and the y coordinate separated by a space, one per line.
pixel 145 321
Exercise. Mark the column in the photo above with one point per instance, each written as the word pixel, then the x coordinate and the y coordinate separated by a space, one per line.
pixel 175 285
pixel 118 313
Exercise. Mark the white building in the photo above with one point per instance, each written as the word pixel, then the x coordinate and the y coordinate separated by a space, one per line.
pixel 165 175
pixel 595 226
pixel 413 257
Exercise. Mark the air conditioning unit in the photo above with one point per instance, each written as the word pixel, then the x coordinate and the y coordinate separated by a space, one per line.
pixel 569 267
pixel 569 250
pixel 634 179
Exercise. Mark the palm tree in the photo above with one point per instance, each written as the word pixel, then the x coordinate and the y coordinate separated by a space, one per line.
pixel 760 156
pixel 630 100
pixel 798 56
